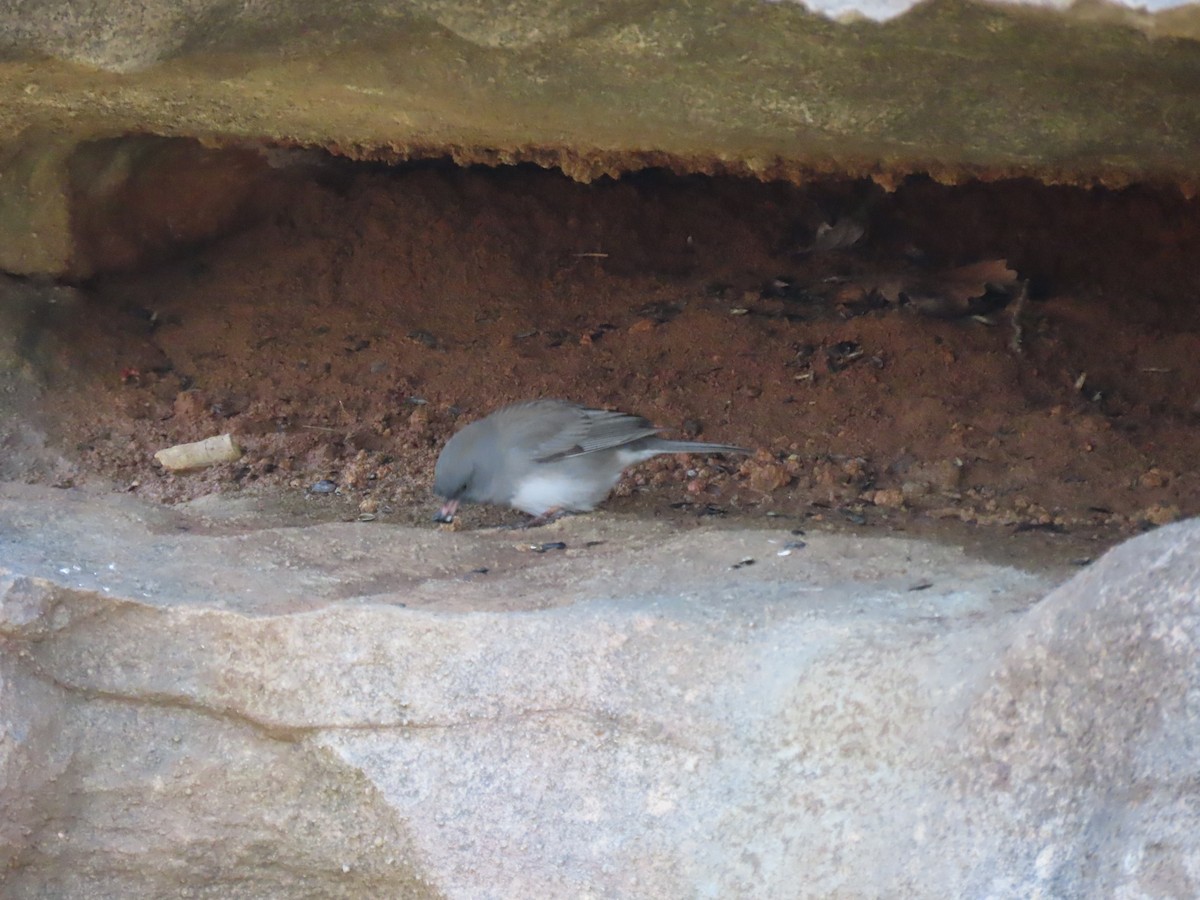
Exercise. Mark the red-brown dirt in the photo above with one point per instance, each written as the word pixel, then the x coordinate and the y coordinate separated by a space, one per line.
pixel 369 312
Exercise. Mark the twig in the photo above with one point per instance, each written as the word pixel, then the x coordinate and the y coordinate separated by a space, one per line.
pixel 1018 307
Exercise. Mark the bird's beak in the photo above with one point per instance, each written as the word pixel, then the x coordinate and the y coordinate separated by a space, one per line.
pixel 446 513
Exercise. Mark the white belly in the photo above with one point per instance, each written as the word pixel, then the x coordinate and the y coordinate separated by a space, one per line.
pixel 555 489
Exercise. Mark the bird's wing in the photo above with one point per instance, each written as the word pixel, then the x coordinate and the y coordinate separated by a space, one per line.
pixel 588 431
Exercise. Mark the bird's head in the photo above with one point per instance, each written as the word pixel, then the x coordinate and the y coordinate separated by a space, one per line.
pixel 452 476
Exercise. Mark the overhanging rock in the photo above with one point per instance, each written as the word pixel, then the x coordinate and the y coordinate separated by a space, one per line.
pixel 958 90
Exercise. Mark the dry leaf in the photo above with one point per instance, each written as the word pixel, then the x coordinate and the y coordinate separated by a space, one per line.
pixel 840 235
pixel 642 326
pixel 973 290
pixel 887 286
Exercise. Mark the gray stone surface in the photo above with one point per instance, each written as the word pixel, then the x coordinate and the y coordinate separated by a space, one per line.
pixel 1087 738
pixel 124 35
pixel 198 705
pixel 766 90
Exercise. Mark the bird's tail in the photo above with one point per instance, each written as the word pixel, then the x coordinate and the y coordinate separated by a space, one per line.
pixel 664 446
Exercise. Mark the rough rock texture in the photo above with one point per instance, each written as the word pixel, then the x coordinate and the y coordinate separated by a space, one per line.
pixel 769 90
pixel 349 710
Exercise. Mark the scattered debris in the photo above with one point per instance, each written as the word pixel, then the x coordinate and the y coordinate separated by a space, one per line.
pixel 225 408
pixel 643 326
pixel 842 354
pixel 719 290
pixel 1017 311
pixel 786 288
pixel 841 234
pixel 200 454
pixel 1161 514
pixel 590 337
pixel 743 562
pixel 1017 421
pixel 702 510
pixel 767 474
pixel 1154 477
pixel 425 339
pixel 660 312
pixel 780 288
pixel 889 498
pixel 543 547
pixel 1049 527
pixel 974 290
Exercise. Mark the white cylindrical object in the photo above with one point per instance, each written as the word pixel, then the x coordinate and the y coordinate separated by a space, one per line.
pixel 200 454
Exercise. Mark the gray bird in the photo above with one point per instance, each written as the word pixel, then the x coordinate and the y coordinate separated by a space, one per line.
pixel 546 457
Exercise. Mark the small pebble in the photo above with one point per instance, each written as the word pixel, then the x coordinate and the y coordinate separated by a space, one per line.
pixel 549 545
pixel 324 486
pixel 425 338
pixel 1162 514
pixel 742 563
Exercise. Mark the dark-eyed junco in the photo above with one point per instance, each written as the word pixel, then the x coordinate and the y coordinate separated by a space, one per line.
pixel 548 456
